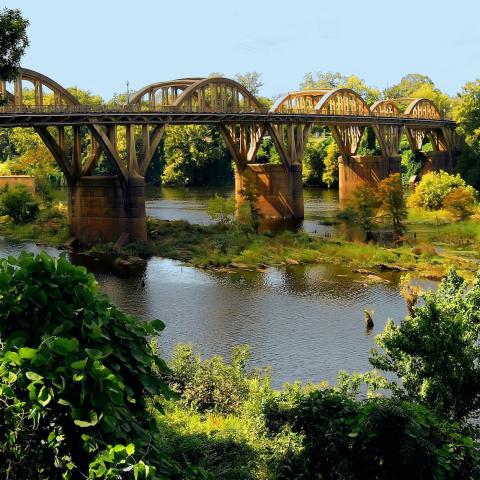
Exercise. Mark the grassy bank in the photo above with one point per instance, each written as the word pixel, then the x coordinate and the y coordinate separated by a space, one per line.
pixel 49 228
pixel 216 247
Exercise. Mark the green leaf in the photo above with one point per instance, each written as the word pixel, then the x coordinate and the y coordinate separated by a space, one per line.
pixel 157 325
pixel 28 353
pixel 79 364
pixel 130 449
pixel 64 346
pixel 93 420
pixel 13 357
pixel 44 396
pixel 94 354
pixel 33 376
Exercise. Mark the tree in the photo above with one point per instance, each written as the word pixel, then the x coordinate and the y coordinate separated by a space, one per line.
pixel 460 202
pixel 13 42
pixel 330 173
pixel 195 155
pixel 408 85
pixel 435 352
pixel 337 80
pixel 392 201
pixel 251 81
pixel 467 113
pixel 364 204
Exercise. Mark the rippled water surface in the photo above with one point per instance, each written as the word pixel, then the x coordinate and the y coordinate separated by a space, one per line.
pixel 306 322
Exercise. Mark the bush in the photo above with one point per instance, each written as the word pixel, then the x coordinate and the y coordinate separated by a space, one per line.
pixel 221 210
pixel 380 438
pixel 18 203
pixel 210 385
pixel 460 202
pixel 364 205
pixel 432 189
pixel 75 375
pixel 391 200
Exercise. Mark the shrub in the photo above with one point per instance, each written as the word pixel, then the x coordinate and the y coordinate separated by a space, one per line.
pixel 221 210
pixel 75 374
pixel 210 385
pixel 18 203
pixel 432 189
pixel 378 438
pixel 460 202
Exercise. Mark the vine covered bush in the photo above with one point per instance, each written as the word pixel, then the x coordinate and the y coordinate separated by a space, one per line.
pixel 75 376
pixel 18 203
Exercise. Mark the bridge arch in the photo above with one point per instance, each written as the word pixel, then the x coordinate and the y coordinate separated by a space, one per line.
pixel 162 93
pixel 386 108
pixel 301 100
pixel 342 101
pixel 61 95
pixel 217 94
pixel 423 108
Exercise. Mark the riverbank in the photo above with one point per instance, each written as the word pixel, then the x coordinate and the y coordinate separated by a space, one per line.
pixel 214 247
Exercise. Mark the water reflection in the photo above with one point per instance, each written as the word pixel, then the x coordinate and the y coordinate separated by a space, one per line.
pixel 306 322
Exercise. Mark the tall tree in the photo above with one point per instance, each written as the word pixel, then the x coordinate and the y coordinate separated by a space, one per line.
pixel 251 81
pixel 13 42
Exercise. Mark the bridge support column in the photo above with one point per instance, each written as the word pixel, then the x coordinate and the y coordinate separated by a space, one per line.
pixel 100 210
pixel 279 189
pixel 358 170
pixel 436 161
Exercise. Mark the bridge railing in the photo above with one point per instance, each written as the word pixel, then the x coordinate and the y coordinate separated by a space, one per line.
pixel 143 108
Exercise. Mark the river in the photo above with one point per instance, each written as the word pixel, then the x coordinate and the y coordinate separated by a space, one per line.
pixel 305 322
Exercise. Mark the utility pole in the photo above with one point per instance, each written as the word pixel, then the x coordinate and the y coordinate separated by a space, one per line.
pixel 128 92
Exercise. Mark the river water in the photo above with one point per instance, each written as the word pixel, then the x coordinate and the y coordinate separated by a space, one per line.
pixel 305 322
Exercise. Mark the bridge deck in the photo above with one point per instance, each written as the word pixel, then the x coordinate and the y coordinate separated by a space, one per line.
pixel 28 118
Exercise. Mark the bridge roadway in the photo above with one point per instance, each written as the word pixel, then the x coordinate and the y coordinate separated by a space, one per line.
pixel 84 116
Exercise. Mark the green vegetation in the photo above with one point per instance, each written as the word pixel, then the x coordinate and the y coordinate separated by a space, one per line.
pixel 75 378
pixel 18 203
pixel 13 42
pixel 433 188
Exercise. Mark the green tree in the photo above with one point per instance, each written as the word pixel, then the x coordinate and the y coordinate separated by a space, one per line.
pixel 467 113
pixel 75 378
pixel 251 81
pixel 13 42
pixel 313 160
pixel 364 204
pixel 330 173
pixel 435 352
pixel 391 201
pixel 408 85
pixel 195 155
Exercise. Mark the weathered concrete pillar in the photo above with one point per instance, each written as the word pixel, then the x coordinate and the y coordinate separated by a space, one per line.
pixel 279 191
pixel 436 161
pixel 99 210
pixel 358 170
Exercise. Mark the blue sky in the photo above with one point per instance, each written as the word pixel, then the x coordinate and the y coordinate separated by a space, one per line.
pixel 98 45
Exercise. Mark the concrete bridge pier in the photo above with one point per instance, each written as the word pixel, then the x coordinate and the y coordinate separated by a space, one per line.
pixel 101 210
pixel 436 161
pixel 279 190
pixel 358 170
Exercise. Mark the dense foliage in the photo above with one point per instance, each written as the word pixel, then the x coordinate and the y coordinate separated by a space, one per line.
pixel 433 188
pixel 18 203
pixel 75 375
pixel 13 42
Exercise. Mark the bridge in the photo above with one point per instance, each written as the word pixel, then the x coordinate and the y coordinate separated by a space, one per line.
pixel 112 208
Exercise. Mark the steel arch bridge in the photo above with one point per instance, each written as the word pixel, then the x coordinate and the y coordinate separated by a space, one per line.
pixel 243 123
